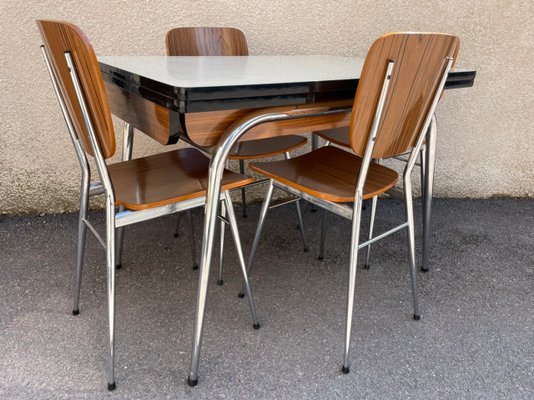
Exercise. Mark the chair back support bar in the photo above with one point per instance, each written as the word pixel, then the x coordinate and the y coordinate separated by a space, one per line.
pixel 60 38
pixel 420 60
pixel 202 41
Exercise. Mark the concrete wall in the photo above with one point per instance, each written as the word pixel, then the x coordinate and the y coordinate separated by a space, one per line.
pixel 486 141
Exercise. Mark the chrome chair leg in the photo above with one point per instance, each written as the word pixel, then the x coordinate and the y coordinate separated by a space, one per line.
pixel 263 213
pixel 243 193
pixel 430 161
pixel 237 241
pixel 82 234
pixel 323 234
pixel 120 243
pixel 110 262
pixel 127 149
pixel 354 244
pixel 192 238
pixel 374 203
pixel 411 245
pixel 221 249
pixel 299 215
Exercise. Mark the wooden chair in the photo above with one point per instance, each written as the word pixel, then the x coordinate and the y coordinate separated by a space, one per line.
pixel 209 41
pixel 401 82
pixel 146 187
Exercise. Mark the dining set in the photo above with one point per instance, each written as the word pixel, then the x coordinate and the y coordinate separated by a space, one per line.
pixel 225 104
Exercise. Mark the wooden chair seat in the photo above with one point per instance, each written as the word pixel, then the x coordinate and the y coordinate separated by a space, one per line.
pixel 262 148
pixel 329 173
pixel 166 178
pixel 339 136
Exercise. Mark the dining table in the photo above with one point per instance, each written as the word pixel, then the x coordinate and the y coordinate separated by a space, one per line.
pixel 214 102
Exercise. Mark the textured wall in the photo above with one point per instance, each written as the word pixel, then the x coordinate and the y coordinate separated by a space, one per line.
pixel 486 141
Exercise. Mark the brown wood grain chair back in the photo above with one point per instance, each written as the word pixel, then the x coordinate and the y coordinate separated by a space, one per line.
pixel 61 37
pixel 206 41
pixel 419 61
pixel 135 190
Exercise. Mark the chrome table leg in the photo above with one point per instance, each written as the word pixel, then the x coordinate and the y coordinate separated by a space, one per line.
pixel 430 161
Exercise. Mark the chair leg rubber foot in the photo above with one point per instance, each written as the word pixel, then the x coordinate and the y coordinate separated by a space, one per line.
pixel 118 266
pixel 416 317
pixel 195 267
pixel 424 269
pixel 366 266
pixel 320 258
pixel 75 312
pixel 220 282
pixel 111 386
pixel 306 249
pixel 345 370
pixel 192 382
pixel 256 326
pixel 241 295
pixel 176 235
pixel 244 215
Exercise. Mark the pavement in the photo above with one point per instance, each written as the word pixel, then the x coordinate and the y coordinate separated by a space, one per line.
pixel 475 339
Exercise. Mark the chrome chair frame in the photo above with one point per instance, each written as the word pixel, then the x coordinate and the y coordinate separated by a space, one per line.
pixel 354 213
pixel 117 220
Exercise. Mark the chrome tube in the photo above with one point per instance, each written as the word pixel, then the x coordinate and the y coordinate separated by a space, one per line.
pixel 82 234
pixel 356 216
pixel 237 241
pixel 374 202
pixel 430 164
pixel 127 150
pixel 110 215
pixel 259 228
pixel 221 244
pixel 243 191
pixel 407 184
pixel 110 262
pixel 299 215
pixel 225 144
pixel 177 231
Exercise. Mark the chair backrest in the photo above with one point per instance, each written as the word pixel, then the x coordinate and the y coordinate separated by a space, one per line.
pixel 60 37
pixel 206 42
pixel 420 60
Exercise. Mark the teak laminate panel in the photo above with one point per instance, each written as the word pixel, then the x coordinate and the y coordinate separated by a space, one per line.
pixel 329 173
pixel 62 37
pixel 166 178
pixel 150 118
pixel 420 60
pixel 206 41
pixel 205 128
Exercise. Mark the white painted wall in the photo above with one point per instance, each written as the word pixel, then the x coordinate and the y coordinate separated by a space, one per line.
pixel 486 141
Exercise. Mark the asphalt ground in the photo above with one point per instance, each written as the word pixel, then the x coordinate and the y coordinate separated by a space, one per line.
pixel 475 339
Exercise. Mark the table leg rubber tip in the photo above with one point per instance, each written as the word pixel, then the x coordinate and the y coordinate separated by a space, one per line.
pixel 192 382
pixel 256 326
pixel 195 267
pixel 111 386
pixel 320 258
pixel 118 266
pixel 424 269
pixel 366 266
pixel 416 317
pixel 241 295
pixel 345 370
pixel 220 282
pixel 306 249
pixel 75 312
pixel 176 235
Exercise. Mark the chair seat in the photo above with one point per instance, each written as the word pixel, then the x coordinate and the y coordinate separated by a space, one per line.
pixel 261 148
pixel 329 173
pixel 166 178
pixel 339 136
